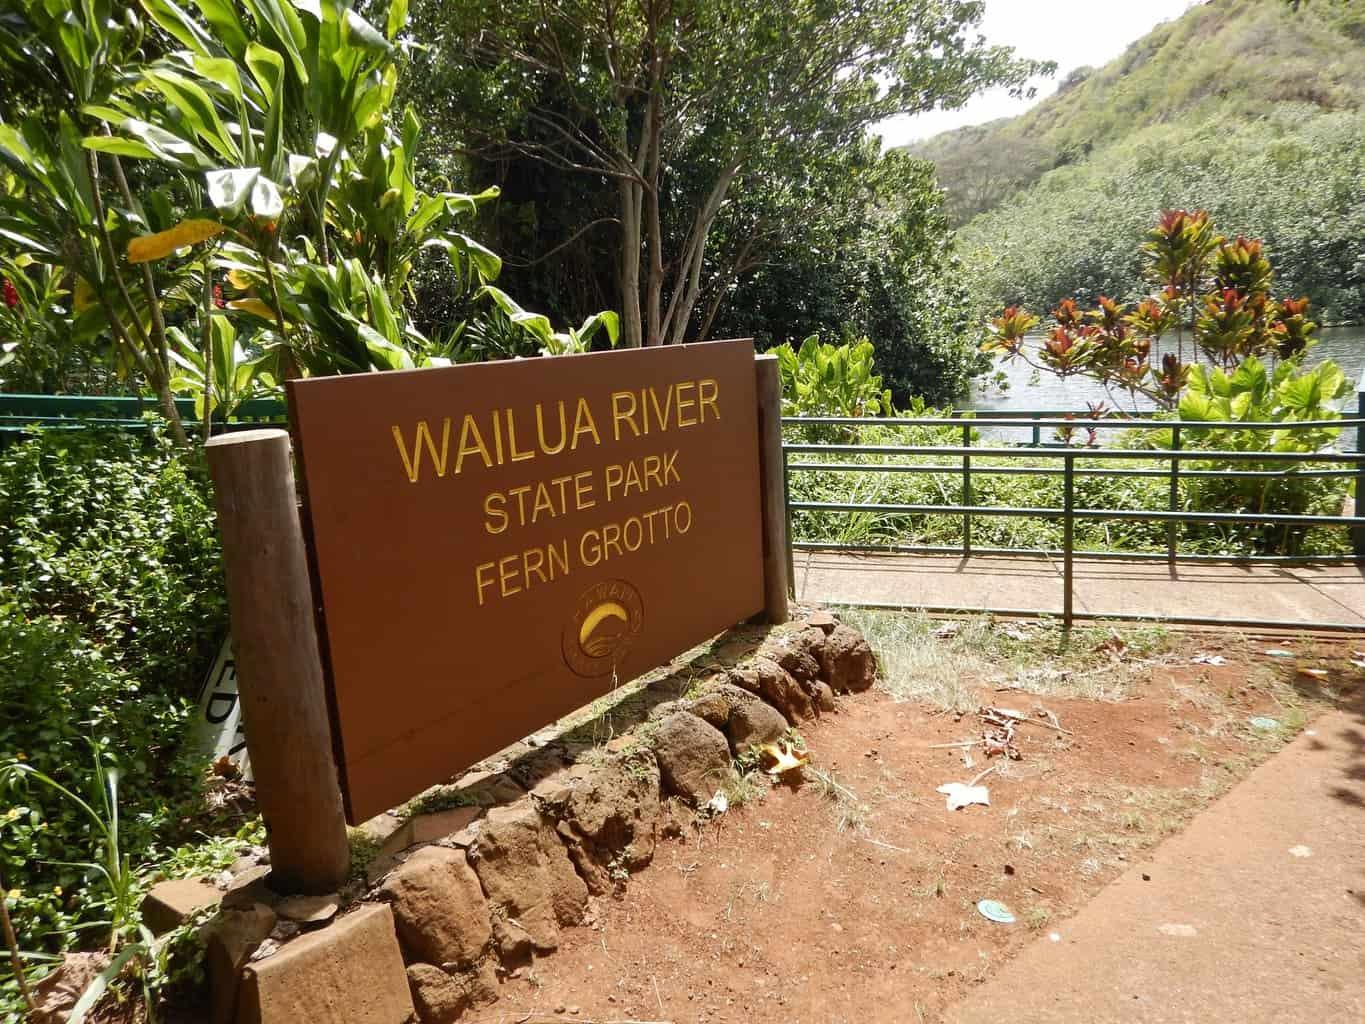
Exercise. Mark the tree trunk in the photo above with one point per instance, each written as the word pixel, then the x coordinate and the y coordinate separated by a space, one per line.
pixel 653 170
pixel 628 274
pixel 687 287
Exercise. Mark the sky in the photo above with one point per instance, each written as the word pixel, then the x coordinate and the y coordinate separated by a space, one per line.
pixel 1071 32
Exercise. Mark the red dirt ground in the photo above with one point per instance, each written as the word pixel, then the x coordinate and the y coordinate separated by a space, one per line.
pixel 803 907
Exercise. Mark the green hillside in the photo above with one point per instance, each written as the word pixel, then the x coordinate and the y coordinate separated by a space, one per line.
pixel 1246 107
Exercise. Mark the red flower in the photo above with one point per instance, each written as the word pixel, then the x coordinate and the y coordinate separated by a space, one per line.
pixel 218 297
pixel 11 294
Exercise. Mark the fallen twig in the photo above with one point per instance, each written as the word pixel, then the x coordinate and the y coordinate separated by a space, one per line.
pixel 884 846
pixel 1047 725
pixel 960 743
pixel 982 775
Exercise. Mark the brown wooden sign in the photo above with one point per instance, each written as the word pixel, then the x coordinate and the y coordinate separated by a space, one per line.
pixel 498 544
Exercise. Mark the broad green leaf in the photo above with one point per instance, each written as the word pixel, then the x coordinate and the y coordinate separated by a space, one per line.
pixel 180 25
pixel 535 323
pixel 119 146
pixel 398 17
pixel 283 23
pixel 170 148
pixel 267 67
pixel 197 109
pixel 227 26
pixel 360 33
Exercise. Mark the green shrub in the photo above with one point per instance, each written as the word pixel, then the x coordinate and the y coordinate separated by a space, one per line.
pixel 110 607
pixel 821 379
pixel 116 534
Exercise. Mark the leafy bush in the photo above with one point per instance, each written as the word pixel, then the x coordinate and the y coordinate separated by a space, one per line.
pixel 821 379
pixel 1254 394
pixel 112 605
pixel 118 536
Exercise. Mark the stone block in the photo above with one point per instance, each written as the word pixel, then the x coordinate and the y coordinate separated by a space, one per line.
pixel 847 662
pixel 694 758
pixel 754 723
pixel 526 873
pixel 607 814
pixel 348 973
pixel 439 908
pixel 229 940
pixel 428 828
pixel 170 904
pixel 487 789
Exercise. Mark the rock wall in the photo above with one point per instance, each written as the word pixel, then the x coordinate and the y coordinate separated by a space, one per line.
pixel 461 897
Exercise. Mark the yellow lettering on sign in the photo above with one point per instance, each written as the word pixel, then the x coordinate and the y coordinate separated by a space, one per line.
pixel 583 423
pixel 494 510
pixel 517 456
pixel 545 446
pixel 621 412
pixel 708 391
pixel 467 430
pixel 413 463
pixel 660 415
pixel 637 476
pixel 685 403
pixel 614 540
pixel 582 490
pixel 517 573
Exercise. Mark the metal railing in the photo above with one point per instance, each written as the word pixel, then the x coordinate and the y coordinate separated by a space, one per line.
pixel 1069 462
pixel 19 414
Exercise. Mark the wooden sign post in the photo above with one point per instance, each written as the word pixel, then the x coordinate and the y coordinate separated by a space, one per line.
pixel 279 671
pixel 773 469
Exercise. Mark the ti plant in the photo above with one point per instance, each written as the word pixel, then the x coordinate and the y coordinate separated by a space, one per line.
pixel 268 219
pixel 1213 291
pixel 58 209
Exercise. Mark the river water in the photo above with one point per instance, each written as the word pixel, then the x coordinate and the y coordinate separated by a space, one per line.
pixel 1030 390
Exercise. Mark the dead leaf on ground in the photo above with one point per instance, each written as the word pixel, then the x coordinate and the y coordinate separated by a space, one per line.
pixel 782 758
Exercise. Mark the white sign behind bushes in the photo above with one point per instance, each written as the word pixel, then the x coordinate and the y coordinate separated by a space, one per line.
pixel 218 728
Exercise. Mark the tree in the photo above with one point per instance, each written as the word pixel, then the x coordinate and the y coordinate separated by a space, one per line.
pixel 873 257
pixel 628 93
pixel 269 208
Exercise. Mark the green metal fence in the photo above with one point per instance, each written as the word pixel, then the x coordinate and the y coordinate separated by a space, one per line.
pixel 19 414
pixel 1070 462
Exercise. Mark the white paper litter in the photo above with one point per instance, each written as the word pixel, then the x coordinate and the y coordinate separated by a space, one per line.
pixel 1209 659
pixel 960 795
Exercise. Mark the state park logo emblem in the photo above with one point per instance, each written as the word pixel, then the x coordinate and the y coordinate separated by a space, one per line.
pixel 606 619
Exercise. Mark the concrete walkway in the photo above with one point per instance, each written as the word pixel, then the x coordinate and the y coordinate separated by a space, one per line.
pixel 1253 914
pixel 1287 595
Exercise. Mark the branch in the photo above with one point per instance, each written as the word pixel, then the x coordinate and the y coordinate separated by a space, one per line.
pixel 564 244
